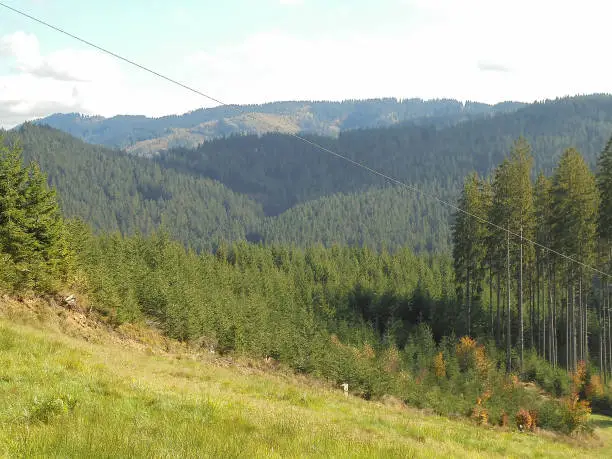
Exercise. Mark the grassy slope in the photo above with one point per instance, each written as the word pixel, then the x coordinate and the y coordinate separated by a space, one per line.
pixel 157 400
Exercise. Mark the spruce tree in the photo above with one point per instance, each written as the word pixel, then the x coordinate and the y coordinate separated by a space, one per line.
pixel 542 197
pixel 468 243
pixel 575 202
pixel 604 184
pixel 15 241
pixel 513 209
pixel 31 227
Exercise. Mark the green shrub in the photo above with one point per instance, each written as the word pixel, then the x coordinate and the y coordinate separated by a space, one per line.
pixel 575 413
pixel 602 404
pixel 555 381
pixel 550 415
pixel 43 410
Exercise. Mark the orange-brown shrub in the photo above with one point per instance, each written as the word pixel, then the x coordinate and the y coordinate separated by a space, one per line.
pixel 471 355
pixel 523 420
pixel 503 421
pixel 579 377
pixel 480 414
pixel 576 412
pixel 595 387
pixel 439 366
pixel 534 419
pixel 465 352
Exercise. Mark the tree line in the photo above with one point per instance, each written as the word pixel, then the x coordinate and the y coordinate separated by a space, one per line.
pixel 315 117
pixel 532 258
pixel 275 189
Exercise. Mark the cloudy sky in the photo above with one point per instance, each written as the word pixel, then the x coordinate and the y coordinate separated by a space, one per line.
pixel 252 51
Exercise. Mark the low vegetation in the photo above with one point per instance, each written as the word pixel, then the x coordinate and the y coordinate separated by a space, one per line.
pixel 134 393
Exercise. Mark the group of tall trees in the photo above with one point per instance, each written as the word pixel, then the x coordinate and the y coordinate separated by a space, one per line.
pixel 275 189
pixel 33 250
pixel 532 257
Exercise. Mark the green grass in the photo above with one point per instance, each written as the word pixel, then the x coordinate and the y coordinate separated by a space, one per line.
pixel 61 396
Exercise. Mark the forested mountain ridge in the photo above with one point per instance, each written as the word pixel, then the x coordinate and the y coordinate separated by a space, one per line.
pixel 275 188
pixel 114 191
pixel 281 171
pixel 145 136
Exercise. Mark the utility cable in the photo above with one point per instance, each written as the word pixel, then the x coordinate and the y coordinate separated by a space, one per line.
pixel 308 141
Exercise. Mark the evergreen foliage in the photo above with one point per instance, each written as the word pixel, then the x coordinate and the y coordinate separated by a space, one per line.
pixel 32 238
pixel 557 291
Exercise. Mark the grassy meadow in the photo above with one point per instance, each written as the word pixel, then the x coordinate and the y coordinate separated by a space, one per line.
pixel 71 387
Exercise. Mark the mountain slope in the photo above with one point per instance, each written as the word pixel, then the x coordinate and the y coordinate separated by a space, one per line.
pixel 389 217
pixel 276 188
pixel 63 376
pixel 113 191
pixel 280 171
pixel 146 136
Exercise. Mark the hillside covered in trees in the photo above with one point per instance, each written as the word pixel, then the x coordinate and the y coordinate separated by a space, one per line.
pixel 145 136
pixel 280 171
pixel 385 323
pixel 275 188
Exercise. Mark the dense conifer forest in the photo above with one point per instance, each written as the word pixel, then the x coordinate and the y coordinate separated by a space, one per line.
pixel 459 331
pixel 274 188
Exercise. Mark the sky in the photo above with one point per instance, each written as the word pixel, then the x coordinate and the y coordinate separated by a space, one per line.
pixel 254 51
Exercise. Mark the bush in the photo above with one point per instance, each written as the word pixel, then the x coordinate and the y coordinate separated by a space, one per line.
pixel 439 366
pixel 480 415
pixel 48 408
pixel 550 416
pixel 602 404
pixel 470 356
pixel 576 413
pixel 503 421
pixel 594 388
pixel 523 420
pixel 553 380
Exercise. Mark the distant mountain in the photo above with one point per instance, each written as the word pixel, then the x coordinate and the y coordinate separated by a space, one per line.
pixel 114 191
pixel 280 171
pixel 276 188
pixel 146 136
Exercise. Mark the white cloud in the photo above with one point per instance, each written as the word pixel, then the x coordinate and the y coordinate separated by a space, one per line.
pixel 43 84
pixel 64 65
pixel 475 49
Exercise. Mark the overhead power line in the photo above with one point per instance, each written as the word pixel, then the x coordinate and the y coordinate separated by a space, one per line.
pixel 308 141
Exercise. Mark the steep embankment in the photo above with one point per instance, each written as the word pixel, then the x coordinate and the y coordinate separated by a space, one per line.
pixel 71 386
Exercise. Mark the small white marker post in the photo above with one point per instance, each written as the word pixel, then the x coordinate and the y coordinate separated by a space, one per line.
pixel 345 387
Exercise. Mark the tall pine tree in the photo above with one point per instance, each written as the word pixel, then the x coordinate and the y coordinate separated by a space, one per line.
pixel 468 244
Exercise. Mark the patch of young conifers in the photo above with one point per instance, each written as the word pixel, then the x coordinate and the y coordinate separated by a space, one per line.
pixel 462 378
